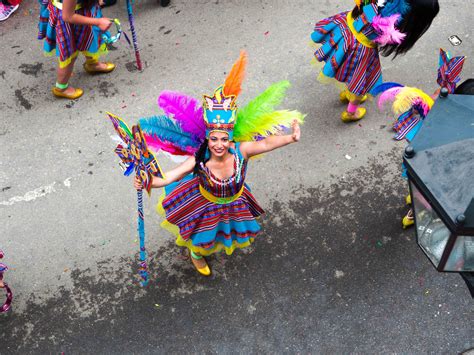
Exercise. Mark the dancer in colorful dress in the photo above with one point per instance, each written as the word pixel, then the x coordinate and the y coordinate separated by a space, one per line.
pixel 206 202
pixel 69 27
pixel 350 43
pixel 412 105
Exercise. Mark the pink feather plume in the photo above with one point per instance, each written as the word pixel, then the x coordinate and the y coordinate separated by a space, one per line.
pixel 388 33
pixel 184 109
pixel 169 147
pixel 388 95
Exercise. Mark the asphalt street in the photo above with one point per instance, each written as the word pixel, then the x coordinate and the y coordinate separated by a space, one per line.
pixel 332 271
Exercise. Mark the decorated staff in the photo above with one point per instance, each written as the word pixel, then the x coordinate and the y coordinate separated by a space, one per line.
pixel 134 154
pixel 8 302
pixel 134 35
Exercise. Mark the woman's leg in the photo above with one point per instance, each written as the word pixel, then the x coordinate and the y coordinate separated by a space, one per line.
pixel 64 74
pixel 200 263
pixel 62 88
pixel 353 112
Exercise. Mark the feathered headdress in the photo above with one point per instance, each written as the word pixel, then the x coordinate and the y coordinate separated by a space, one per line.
pixel 186 123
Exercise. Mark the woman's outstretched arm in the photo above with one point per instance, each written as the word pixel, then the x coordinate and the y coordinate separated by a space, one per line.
pixel 249 149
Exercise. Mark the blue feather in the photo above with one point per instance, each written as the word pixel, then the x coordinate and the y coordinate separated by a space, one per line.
pixel 384 87
pixel 393 7
pixel 166 129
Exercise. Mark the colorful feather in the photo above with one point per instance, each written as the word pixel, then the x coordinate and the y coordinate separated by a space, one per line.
pixel 266 125
pixel 163 133
pixel 387 32
pixel 406 98
pixel 388 95
pixel 233 82
pixel 383 87
pixel 264 103
pixel 186 110
pixel 409 97
pixel 393 7
pixel 157 145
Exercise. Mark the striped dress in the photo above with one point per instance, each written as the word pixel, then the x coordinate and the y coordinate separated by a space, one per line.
pixel 348 50
pixel 208 214
pixel 66 40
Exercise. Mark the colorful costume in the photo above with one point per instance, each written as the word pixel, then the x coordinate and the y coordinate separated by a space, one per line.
pixel 349 45
pixel 412 105
pixel 66 40
pixel 208 214
pixel 212 214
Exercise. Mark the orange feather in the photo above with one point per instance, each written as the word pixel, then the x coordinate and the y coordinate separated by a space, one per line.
pixel 233 82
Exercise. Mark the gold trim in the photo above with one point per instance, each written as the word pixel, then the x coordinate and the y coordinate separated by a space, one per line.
pixel 219 200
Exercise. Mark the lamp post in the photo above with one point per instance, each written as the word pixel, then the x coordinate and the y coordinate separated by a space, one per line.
pixel 440 169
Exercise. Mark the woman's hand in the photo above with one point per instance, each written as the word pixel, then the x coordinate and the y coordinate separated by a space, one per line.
pixel 104 23
pixel 296 131
pixel 137 183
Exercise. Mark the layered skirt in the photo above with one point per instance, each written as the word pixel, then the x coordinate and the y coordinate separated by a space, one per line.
pixel 204 226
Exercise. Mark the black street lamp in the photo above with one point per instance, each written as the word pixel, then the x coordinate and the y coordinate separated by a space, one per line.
pixel 440 169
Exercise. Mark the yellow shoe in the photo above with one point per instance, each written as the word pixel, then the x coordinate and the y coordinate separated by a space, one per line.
pixel 408 199
pixel 344 99
pixel 206 271
pixel 408 220
pixel 89 67
pixel 59 93
pixel 352 117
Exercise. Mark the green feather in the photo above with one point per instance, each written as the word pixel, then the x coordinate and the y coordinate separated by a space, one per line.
pixel 267 124
pixel 264 103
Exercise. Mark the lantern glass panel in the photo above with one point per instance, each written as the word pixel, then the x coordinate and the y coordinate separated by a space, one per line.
pixel 431 231
pixel 461 257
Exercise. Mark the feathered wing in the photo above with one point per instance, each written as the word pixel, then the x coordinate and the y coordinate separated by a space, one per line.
pixel 259 118
pixel 163 133
pixel 233 82
pixel 186 110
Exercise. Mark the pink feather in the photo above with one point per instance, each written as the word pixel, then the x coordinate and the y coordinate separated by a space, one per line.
pixel 184 109
pixel 157 145
pixel 388 95
pixel 388 33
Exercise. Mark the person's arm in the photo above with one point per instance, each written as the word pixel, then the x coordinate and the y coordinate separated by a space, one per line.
pixel 70 16
pixel 250 149
pixel 171 176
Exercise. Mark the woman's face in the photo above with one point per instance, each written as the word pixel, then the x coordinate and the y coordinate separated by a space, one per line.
pixel 218 143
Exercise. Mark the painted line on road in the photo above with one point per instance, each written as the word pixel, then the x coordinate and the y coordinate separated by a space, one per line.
pixel 36 193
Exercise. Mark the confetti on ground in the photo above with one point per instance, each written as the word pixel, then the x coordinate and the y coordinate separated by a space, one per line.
pixel 135 240
pixel 348 157
pixel 379 243
pixel 157 305
pixel 267 33
pixel 427 292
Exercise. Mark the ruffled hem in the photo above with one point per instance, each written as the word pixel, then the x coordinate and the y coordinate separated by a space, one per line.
pixel 323 79
pixel 64 63
pixel 218 246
